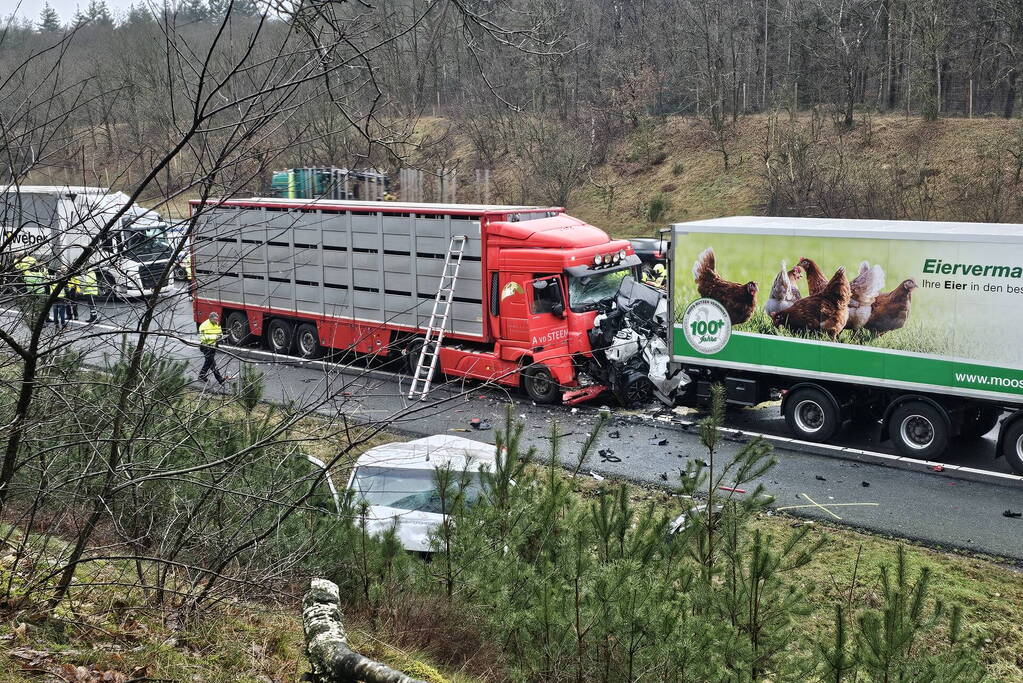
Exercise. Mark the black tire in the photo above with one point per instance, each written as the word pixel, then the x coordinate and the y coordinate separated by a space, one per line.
pixel 978 421
pixel 280 334
pixel 919 430
pixel 638 392
pixel 307 341
pixel 410 356
pixel 236 329
pixel 1012 446
pixel 540 385
pixel 811 415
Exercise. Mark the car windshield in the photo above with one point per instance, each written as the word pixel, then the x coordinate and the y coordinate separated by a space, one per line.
pixel 585 293
pixel 146 243
pixel 406 489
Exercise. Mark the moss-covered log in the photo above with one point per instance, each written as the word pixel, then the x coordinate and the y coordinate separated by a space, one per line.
pixel 326 642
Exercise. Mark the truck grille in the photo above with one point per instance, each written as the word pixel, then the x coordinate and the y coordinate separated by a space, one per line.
pixel 150 273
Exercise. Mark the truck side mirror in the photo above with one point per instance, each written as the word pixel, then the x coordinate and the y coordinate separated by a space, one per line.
pixel 558 309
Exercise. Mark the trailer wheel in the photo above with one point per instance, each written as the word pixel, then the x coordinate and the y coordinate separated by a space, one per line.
pixel 237 325
pixel 918 430
pixel 811 415
pixel 279 336
pixel 1012 446
pixel 410 355
pixel 979 421
pixel 307 341
pixel 540 385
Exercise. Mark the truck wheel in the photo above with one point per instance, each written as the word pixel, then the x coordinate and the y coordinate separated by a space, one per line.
pixel 237 326
pixel 410 356
pixel 979 421
pixel 811 415
pixel 279 336
pixel 1012 446
pixel 918 430
pixel 540 385
pixel 307 341
pixel 638 391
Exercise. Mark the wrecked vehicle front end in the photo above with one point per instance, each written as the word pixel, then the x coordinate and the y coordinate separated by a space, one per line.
pixel 630 347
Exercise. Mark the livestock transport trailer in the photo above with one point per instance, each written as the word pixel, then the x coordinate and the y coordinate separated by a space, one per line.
pixel 309 276
pixel 922 331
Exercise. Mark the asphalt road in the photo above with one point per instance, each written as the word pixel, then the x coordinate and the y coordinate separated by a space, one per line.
pixel 859 482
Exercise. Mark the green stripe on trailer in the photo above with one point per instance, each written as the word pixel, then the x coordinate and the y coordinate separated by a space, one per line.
pixel 848 363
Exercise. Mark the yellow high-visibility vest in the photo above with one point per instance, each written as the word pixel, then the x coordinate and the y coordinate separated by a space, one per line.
pixel 59 288
pixel 210 333
pixel 87 284
pixel 34 280
pixel 25 264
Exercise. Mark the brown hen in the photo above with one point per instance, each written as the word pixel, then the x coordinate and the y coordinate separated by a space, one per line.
pixel 825 312
pixel 891 310
pixel 739 300
pixel 815 280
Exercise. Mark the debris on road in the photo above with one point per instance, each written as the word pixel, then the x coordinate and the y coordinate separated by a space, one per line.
pixel 864 484
pixel 937 468
pixel 664 476
pixel 608 455
pixel 819 478
pixel 732 489
pixel 1012 515
pixel 596 476
pixel 479 424
pixel 614 435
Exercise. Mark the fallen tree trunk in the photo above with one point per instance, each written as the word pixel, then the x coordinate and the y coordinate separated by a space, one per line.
pixel 326 642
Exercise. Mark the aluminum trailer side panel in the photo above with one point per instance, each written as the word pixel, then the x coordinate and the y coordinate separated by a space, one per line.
pixel 355 265
pixel 953 323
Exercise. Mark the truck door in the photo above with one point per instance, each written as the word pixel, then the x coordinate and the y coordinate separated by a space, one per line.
pixel 513 307
pixel 547 324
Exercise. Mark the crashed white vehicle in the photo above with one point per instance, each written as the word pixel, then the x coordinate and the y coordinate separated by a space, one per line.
pixel 397 481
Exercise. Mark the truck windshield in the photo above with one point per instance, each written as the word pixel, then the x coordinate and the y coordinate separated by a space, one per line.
pixel 586 293
pixel 147 243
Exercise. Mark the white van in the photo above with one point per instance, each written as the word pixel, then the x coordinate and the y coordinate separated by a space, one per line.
pixel 54 223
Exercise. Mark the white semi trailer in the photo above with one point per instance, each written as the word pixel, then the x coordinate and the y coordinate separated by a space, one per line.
pixel 54 223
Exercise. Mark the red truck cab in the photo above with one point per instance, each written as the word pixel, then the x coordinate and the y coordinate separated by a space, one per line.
pixel 309 276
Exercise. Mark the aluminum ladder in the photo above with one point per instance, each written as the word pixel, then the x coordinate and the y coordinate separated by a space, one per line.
pixel 426 366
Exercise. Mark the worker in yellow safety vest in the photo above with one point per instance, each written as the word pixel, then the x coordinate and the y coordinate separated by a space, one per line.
pixel 657 276
pixel 25 264
pixel 61 308
pixel 33 276
pixel 86 287
pixel 210 333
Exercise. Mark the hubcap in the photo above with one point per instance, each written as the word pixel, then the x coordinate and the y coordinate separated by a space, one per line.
pixel 809 416
pixel 278 337
pixel 1019 447
pixel 917 432
pixel 236 331
pixel 308 343
pixel 541 382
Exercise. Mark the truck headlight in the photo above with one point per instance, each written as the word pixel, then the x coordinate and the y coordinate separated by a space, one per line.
pixel 597 260
pixel 621 255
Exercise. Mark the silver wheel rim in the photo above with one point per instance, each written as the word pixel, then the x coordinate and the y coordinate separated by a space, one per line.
pixel 809 416
pixel 541 381
pixel 278 337
pixel 1019 447
pixel 308 343
pixel 236 331
pixel 917 432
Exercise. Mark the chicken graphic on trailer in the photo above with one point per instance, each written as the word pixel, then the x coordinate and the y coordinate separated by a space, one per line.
pixel 307 276
pixel 934 354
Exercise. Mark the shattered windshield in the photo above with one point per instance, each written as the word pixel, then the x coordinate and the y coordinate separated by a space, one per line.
pixel 146 243
pixel 585 293
pixel 407 489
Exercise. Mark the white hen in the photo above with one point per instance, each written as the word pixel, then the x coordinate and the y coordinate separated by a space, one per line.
pixel 865 288
pixel 784 291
